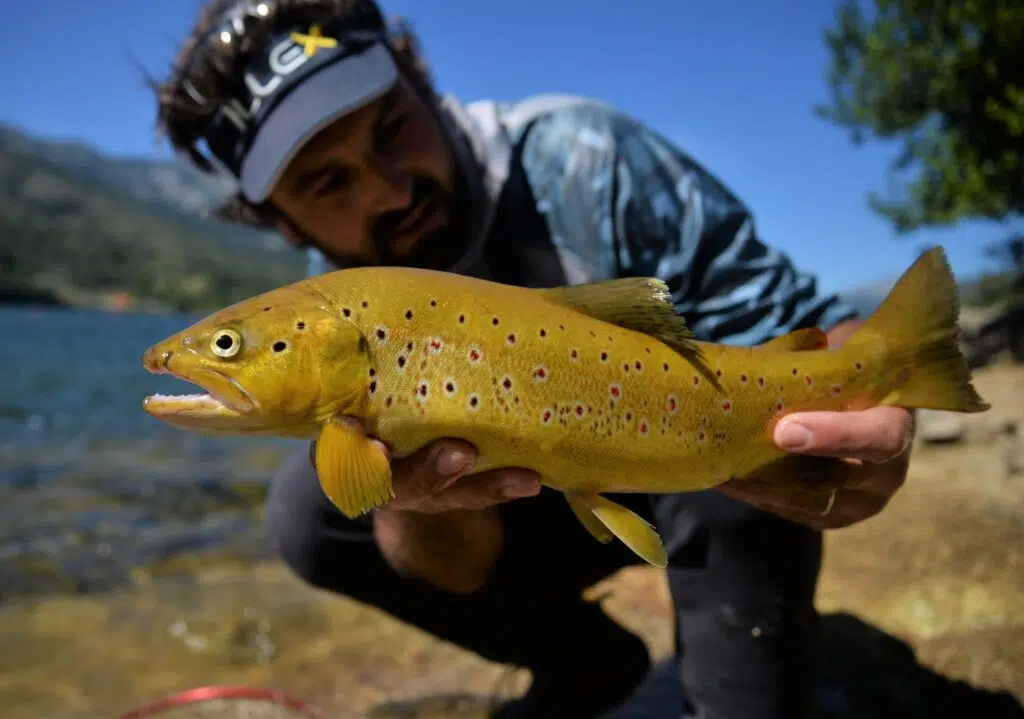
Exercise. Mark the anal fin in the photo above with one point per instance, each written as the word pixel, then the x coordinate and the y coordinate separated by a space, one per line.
pixel 630 528
pixel 354 471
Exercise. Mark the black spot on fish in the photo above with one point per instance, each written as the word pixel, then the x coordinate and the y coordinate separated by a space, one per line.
pixel 543 332
pixel 280 346
pixel 365 304
pixel 346 311
pixel 266 309
pixel 433 303
pixel 300 325
pixel 494 321
pixel 408 314
pixel 462 319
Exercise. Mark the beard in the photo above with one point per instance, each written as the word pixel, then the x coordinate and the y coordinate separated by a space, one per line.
pixel 437 248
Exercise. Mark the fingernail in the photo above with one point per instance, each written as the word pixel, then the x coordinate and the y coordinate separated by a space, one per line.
pixel 452 461
pixel 515 487
pixel 793 435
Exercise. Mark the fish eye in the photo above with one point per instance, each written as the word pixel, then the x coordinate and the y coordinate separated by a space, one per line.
pixel 226 343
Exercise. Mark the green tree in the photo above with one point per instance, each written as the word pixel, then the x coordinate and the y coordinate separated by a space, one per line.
pixel 945 79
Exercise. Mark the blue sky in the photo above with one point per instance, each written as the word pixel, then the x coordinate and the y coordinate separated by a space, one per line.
pixel 732 82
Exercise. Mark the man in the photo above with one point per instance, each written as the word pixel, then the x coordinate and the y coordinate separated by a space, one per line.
pixel 337 138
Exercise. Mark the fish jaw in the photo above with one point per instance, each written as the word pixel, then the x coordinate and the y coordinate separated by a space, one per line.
pixel 223 406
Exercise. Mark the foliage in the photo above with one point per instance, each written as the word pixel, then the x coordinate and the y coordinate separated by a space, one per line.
pixel 59 231
pixel 945 77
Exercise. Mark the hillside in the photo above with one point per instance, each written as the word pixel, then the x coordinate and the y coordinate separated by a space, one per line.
pixel 80 225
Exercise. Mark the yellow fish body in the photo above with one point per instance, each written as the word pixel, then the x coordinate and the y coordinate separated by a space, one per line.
pixel 597 387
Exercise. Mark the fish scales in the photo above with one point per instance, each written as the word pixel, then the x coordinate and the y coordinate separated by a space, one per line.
pixel 599 388
pixel 600 406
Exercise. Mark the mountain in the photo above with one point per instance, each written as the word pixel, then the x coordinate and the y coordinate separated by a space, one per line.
pixel 82 225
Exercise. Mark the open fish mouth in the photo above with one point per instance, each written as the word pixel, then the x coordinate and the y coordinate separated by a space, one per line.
pixel 222 396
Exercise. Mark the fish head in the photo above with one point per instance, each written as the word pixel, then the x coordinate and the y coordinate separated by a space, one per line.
pixel 281 364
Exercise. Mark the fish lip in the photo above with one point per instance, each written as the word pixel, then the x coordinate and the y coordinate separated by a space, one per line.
pixel 223 392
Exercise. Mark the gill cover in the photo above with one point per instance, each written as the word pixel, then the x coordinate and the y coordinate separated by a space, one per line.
pixel 280 363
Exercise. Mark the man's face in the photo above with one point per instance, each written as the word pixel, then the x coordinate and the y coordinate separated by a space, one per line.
pixel 377 186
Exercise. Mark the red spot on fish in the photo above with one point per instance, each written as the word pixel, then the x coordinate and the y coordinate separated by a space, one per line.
pixel 726 406
pixel 545 416
pixel 672 404
pixel 540 374
pixel 475 354
pixel 836 389
pixel 574 354
pixel 615 391
pixel 696 381
pixel 579 410
pixel 644 428
pixel 434 345
pixel 808 381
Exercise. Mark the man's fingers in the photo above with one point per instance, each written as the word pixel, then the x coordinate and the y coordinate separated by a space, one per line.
pixel 484 490
pixel 873 435
pixel 430 470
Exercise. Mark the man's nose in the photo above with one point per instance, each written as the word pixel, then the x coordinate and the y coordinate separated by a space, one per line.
pixel 392 186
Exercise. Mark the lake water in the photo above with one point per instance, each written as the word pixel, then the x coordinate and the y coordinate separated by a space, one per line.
pixel 92 489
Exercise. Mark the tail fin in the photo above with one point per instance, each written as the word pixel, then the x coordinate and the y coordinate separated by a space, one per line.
pixel 918 320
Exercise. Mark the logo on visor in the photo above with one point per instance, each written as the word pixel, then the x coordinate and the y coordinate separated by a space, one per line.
pixel 313 41
pixel 283 60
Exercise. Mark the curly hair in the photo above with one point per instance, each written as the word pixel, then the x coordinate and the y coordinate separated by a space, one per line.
pixel 211 71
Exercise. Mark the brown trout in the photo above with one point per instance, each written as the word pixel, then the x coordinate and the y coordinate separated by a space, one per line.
pixel 598 387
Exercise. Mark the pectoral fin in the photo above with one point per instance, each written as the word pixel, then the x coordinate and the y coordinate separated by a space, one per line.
pixel 354 472
pixel 631 529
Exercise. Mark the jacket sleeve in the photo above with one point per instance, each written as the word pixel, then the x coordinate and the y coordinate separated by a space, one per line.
pixel 622 201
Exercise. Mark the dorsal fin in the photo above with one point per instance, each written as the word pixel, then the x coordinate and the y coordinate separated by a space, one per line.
pixel 642 304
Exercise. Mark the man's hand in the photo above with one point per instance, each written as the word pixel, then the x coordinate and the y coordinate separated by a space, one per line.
pixel 440 527
pixel 874 442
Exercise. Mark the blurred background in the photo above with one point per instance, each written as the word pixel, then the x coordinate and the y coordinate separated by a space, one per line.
pixel 132 559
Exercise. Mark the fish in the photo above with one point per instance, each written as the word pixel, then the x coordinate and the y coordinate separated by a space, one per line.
pixel 600 387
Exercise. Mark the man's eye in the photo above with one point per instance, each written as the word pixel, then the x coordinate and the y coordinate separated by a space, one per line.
pixel 335 180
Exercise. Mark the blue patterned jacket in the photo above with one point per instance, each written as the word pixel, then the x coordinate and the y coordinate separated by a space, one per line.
pixel 616 199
